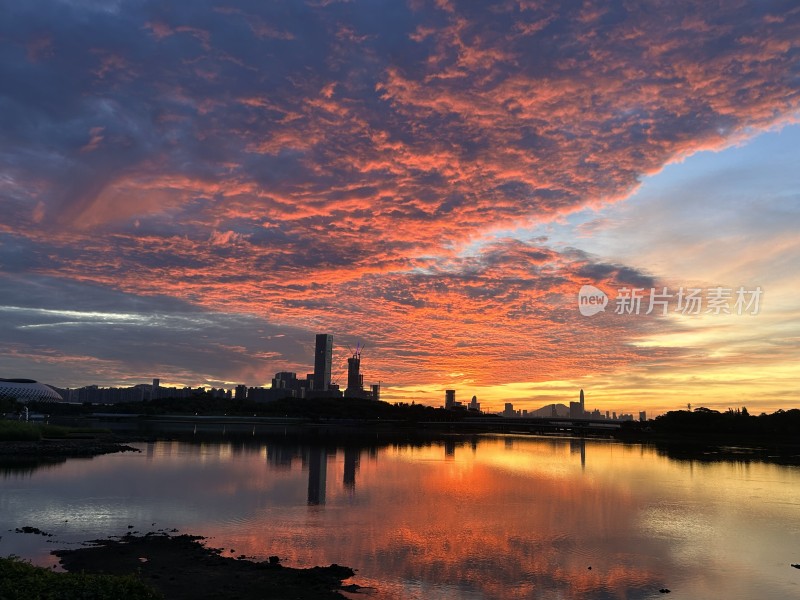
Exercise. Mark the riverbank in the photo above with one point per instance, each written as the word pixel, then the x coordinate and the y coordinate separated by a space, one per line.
pixel 47 442
pixel 61 448
pixel 782 450
pixel 104 434
pixel 181 567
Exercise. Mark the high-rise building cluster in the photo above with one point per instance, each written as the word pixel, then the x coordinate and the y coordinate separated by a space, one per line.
pixel 318 384
pixel 451 404
pixel 576 410
pixel 285 384
pixel 112 395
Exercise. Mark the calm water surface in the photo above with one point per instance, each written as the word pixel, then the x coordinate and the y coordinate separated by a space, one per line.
pixel 487 517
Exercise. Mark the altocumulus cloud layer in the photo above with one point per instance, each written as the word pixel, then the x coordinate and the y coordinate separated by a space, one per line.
pixel 341 166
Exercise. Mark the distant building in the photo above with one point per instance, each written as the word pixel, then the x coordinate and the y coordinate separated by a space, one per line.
pixel 259 394
pixel 355 380
pixel 138 393
pixel 154 390
pixel 333 391
pixel 287 380
pixel 449 399
pixel 323 359
pixel 643 415
pixel 509 410
pixel 285 384
pixel 241 393
pixel 577 410
pixel 318 384
pixel 474 405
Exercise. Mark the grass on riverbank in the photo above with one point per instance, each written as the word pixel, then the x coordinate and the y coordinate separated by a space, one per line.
pixel 19 580
pixel 21 431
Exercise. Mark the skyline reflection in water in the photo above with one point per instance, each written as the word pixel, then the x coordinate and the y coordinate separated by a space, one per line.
pixel 481 517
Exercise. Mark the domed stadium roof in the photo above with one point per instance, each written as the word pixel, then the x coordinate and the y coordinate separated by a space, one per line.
pixel 26 390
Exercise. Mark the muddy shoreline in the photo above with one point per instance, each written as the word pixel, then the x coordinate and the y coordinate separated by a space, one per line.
pixel 182 567
pixel 61 448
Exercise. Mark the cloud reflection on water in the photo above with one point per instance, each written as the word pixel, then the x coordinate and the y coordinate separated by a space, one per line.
pixel 485 518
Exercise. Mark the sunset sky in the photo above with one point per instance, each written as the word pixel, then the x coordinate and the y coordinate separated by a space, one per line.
pixel 191 190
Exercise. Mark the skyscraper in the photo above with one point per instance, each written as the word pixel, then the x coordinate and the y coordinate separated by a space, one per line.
pixel 355 381
pixel 323 357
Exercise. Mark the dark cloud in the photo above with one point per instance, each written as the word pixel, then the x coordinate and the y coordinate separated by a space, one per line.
pixel 55 329
pixel 618 274
pixel 294 99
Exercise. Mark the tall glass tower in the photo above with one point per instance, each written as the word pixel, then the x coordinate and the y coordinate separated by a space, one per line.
pixel 323 357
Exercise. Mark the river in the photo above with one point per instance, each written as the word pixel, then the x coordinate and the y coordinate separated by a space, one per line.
pixel 478 517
